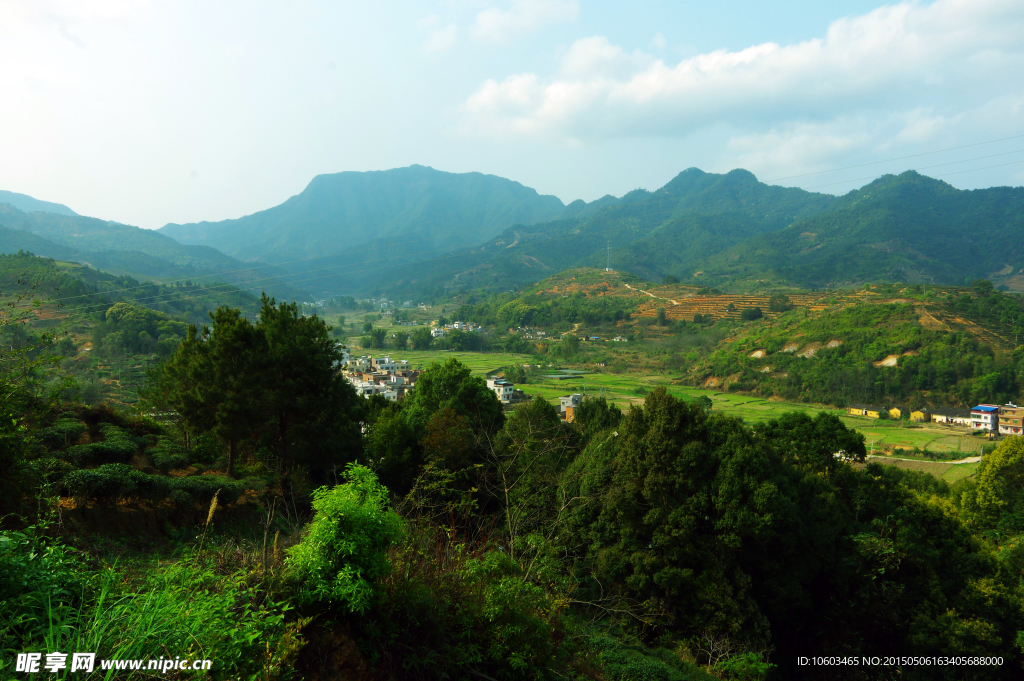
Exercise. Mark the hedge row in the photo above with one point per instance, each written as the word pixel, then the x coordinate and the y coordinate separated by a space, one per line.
pixel 117 481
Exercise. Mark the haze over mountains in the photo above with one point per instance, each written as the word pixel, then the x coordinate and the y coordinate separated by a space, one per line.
pixel 411 230
pixel 125 250
pixel 343 211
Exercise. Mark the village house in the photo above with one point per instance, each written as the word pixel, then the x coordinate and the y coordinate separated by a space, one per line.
pixel 569 402
pixel 437 333
pixel 1010 416
pixel 899 412
pixel 985 417
pixel 951 416
pixel 502 388
pixel 872 412
pixel 920 415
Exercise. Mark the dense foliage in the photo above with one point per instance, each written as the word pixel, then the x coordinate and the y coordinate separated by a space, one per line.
pixel 838 357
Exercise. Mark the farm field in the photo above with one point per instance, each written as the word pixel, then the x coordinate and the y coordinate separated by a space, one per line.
pixel 949 472
pixel 479 362
pixel 629 388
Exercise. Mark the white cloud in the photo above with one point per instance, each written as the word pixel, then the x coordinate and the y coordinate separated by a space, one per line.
pixel 496 25
pixel 935 59
pixel 658 41
pixel 442 39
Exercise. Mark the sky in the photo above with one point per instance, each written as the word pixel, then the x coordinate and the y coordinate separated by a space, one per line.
pixel 151 112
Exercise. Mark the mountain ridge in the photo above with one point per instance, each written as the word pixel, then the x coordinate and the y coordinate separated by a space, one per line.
pixel 339 211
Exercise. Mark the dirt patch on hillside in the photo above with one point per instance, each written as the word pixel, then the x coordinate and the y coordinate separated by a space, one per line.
pixel 889 361
pixel 911 353
pixel 928 321
pixel 766 370
pixel 791 347
pixel 809 350
pixel 757 354
pixel 712 382
pixel 834 343
pixel 731 379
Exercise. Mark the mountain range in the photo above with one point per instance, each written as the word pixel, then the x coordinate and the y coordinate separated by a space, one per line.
pixel 126 250
pixel 732 232
pixel 414 231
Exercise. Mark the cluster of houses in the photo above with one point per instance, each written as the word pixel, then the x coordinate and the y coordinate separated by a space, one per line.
pixel 1001 420
pixel 391 378
pixel 440 331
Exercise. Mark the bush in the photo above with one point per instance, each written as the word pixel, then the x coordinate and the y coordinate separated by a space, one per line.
pixel 62 433
pixel 117 446
pixel 168 455
pixel 119 481
pixel 450 607
pixel 343 551
pixel 114 482
pixel 751 313
pixel 624 662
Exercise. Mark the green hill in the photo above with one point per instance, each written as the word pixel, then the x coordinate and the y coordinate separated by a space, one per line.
pixel 950 346
pixel 907 228
pixel 732 232
pixel 694 216
pixel 415 209
pixel 126 250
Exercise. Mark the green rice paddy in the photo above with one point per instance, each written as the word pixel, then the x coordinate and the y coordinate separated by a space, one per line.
pixel 625 389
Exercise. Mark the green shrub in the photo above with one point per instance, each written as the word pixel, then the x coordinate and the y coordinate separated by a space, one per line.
pixel 62 433
pixel 343 551
pixel 114 482
pixel 623 662
pixel 47 603
pixel 168 455
pixel 199 489
pixel 449 608
pixel 117 446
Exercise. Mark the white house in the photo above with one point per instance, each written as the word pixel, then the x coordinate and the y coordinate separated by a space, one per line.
pixel 368 388
pixel 383 364
pixel 502 388
pixel 985 417
pixel 437 333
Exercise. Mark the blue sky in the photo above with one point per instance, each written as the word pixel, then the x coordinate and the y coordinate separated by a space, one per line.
pixel 156 112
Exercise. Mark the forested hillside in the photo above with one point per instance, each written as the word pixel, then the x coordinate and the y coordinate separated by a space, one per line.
pixel 695 215
pixel 126 250
pixel 732 232
pixel 907 228
pixel 110 330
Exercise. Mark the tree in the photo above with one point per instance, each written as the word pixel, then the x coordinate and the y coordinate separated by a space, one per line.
pixel 421 338
pixel 401 340
pixel 670 279
pixel 749 314
pixel 660 317
pixel 367 326
pixel 812 444
pixel 570 345
pixel 341 320
pixel 452 385
pixel 983 287
pixel 377 337
pixel 272 385
pixel 214 380
pixel 779 302
pixel 343 552
pixel 314 412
